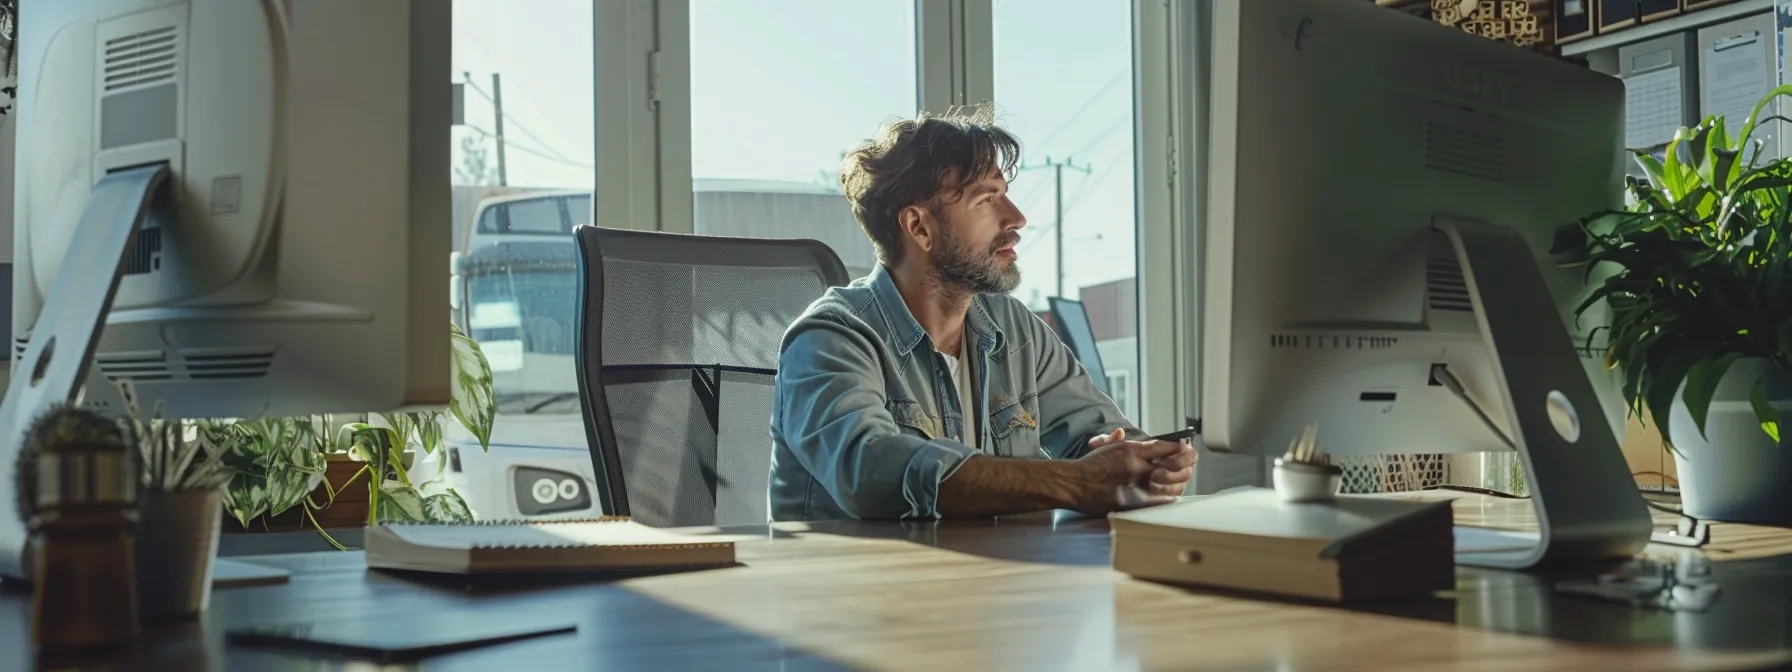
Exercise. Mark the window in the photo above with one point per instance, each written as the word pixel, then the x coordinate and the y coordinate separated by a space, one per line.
pixel 1120 390
pixel 1064 86
pixel 778 93
pixel 537 215
pixel 523 156
pixel 578 211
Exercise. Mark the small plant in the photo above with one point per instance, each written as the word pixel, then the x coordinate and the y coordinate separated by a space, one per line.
pixel 398 497
pixel 172 459
pixel 275 463
pixel 1698 270
pixel 270 465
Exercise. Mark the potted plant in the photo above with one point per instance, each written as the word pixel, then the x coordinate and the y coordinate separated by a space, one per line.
pixel 178 513
pixel 319 473
pixel 276 464
pixel 1697 277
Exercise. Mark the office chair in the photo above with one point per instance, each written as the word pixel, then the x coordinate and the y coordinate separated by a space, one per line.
pixel 678 342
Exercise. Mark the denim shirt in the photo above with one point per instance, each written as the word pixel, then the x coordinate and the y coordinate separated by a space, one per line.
pixel 866 421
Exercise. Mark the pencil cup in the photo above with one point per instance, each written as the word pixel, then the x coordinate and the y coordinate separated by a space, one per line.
pixel 1303 482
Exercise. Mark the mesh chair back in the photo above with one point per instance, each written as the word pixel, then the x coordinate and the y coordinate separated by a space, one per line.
pixel 678 343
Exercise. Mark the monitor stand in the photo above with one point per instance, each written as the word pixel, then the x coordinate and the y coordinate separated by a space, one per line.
pixel 60 352
pixel 57 357
pixel 1587 505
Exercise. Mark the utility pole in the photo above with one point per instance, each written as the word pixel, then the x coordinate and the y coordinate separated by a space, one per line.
pixel 498 123
pixel 1058 205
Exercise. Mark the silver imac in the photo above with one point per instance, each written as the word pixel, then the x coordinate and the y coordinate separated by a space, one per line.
pixel 1382 195
pixel 241 206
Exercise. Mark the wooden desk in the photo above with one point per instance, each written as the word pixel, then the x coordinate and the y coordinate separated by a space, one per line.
pixel 1029 592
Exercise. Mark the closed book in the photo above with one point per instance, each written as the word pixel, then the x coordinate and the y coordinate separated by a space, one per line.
pixel 1353 548
pixel 512 546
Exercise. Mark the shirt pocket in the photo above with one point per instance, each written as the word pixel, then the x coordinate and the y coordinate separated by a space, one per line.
pixel 1014 429
pixel 912 420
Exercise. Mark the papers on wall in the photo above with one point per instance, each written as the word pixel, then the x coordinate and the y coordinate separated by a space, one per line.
pixel 1652 103
pixel 1737 75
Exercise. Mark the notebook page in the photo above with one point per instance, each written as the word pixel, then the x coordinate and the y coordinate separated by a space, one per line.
pixel 619 533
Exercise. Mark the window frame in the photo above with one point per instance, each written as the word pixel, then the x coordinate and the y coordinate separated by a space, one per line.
pixel 644 150
pixel 1171 84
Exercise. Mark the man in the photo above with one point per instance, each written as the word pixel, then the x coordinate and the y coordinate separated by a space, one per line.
pixel 924 390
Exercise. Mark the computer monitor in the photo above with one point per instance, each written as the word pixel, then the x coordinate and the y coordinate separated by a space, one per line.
pixel 288 162
pixel 1382 195
pixel 1073 327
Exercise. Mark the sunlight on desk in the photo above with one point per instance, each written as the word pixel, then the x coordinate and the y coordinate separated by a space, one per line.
pixel 965 596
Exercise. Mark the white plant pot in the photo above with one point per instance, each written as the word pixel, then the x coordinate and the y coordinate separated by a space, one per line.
pixel 1735 472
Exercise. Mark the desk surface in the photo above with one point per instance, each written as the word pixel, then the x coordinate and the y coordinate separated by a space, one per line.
pixel 1029 592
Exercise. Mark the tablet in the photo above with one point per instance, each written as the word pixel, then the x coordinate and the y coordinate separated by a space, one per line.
pixel 389 641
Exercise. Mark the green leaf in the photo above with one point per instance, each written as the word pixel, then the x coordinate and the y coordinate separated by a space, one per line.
pixel 1673 175
pixel 1724 170
pixel 1659 387
pixel 400 503
pixel 1754 116
pixel 1653 168
pixel 1569 239
pixel 1765 413
pixel 429 431
pixel 447 507
pixel 1701 385
pixel 1700 148
pixel 471 399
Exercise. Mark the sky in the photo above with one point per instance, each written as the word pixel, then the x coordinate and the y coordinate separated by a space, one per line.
pixel 780 88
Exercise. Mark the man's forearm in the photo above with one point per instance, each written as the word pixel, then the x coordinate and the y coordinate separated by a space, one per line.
pixel 992 486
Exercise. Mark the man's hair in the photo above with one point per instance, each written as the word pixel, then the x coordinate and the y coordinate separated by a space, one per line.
pixel 928 160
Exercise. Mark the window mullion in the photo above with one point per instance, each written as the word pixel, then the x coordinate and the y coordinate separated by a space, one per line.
pixel 954 53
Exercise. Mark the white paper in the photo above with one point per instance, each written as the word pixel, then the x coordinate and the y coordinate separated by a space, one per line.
pixel 1652 107
pixel 623 533
pixel 1736 78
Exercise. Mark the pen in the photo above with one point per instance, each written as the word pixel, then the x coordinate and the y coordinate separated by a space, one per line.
pixel 1177 435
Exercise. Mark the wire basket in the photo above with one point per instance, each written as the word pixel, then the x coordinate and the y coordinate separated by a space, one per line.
pixel 1367 474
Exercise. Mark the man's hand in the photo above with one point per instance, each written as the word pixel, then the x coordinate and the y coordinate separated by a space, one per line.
pixel 1120 474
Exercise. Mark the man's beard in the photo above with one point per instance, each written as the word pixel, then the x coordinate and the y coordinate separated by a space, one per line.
pixel 978 272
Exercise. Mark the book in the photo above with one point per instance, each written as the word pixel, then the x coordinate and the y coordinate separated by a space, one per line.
pixel 610 543
pixel 1352 548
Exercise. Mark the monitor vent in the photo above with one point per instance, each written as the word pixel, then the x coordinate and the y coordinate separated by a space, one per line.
pixel 141 59
pixel 227 363
pixel 1445 288
pixel 19 343
pixel 134 366
pixel 1464 152
pixel 198 364
pixel 146 253
pixel 1331 342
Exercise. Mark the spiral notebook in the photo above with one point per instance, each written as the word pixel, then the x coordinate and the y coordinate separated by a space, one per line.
pixel 509 546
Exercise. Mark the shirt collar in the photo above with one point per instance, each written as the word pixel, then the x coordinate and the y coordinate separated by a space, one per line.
pixel 907 332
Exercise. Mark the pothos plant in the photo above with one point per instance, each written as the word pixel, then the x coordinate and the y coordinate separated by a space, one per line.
pixel 1695 270
pixel 280 462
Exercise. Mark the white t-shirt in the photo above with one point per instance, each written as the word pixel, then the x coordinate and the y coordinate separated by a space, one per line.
pixel 964 376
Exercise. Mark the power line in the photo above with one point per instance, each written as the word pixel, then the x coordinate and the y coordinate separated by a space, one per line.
pixel 1087 105
pixel 513 120
pixel 1086 187
pixel 1102 136
pixel 527 149
pixel 1057 168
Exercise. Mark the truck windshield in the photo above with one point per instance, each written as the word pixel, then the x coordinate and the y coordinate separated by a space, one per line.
pixel 522 312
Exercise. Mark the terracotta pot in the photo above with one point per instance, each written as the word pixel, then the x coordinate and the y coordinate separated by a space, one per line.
pixel 349 509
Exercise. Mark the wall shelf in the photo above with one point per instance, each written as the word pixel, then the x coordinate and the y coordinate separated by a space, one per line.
pixel 1676 24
